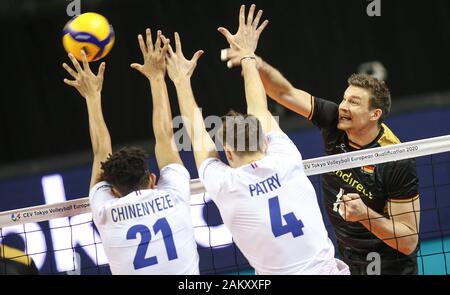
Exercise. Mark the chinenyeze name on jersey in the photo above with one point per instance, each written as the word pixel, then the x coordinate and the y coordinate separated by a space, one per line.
pixel 141 209
pixel 263 187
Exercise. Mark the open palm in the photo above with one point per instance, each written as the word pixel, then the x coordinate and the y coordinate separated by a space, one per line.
pixel 178 67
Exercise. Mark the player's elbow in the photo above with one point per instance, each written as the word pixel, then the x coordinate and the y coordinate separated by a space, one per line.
pixel 409 244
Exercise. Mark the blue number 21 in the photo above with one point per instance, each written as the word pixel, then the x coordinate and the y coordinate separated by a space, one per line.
pixel 293 225
pixel 161 225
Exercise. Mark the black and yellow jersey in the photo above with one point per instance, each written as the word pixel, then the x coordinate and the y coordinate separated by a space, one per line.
pixel 376 184
pixel 15 262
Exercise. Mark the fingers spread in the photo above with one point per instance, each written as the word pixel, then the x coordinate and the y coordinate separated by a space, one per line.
pixel 197 55
pixel 251 12
pixel 228 36
pixel 224 32
pixel 242 16
pixel 149 40
pixel 135 66
pixel 69 70
pixel 75 63
pixel 171 53
pixel 101 70
pixel 71 83
pixel 158 40
pixel 178 43
pixel 256 20
pixel 164 39
pixel 85 62
pixel 142 45
pixel 166 43
pixel 262 27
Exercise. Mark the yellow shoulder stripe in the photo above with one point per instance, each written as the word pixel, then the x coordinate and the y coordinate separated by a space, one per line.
pixel 14 255
pixel 388 137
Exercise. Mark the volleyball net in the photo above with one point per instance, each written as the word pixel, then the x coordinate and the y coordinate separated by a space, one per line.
pixel 61 238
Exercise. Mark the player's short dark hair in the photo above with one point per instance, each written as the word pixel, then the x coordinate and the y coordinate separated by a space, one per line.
pixel 241 132
pixel 126 170
pixel 381 96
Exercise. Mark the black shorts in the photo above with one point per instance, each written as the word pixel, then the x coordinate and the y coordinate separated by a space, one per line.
pixel 391 264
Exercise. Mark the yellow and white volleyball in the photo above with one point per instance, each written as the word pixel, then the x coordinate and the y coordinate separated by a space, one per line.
pixel 90 32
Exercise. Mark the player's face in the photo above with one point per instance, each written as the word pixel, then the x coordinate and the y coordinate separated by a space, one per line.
pixel 354 112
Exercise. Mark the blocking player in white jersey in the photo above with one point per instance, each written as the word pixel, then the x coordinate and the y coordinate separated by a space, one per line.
pixel 144 230
pixel 264 196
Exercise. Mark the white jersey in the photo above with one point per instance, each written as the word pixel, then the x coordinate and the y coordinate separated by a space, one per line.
pixel 271 210
pixel 148 231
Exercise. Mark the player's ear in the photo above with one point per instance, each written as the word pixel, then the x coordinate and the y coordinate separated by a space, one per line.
pixel 151 180
pixel 265 144
pixel 116 193
pixel 376 114
pixel 228 154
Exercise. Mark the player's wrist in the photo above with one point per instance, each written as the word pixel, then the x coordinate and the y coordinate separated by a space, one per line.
pixel 94 96
pixel 248 61
pixel 246 57
pixel 155 77
pixel 182 81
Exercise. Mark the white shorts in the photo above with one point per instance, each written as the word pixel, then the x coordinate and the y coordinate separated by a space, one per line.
pixel 336 267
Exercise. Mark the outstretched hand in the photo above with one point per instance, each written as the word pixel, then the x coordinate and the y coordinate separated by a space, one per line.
pixel 178 67
pixel 154 55
pixel 86 82
pixel 244 42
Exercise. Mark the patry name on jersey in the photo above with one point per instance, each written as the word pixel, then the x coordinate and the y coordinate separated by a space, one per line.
pixel 263 187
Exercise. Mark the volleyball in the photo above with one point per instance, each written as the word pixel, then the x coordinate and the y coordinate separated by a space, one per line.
pixel 90 32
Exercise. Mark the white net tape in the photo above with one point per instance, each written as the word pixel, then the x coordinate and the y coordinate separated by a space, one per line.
pixel 313 166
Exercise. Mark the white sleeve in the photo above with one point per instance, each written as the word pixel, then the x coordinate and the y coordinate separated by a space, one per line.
pixel 212 173
pixel 99 195
pixel 279 144
pixel 176 178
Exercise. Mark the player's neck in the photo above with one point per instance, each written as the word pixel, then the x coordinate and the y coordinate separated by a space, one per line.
pixel 364 136
pixel 245 160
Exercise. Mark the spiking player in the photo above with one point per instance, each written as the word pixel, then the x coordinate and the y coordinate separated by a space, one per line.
pixel 264 196
pixel 144 230
pixel 375 208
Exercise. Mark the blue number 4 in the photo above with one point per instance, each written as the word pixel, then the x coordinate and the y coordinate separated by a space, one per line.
pixel 160 225
pixel 293 225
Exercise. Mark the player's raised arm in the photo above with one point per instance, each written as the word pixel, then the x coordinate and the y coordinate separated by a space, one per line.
pixel 180 71
pixel 89 86
pixel 154 68
pixel 244 44
pixel 275 84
